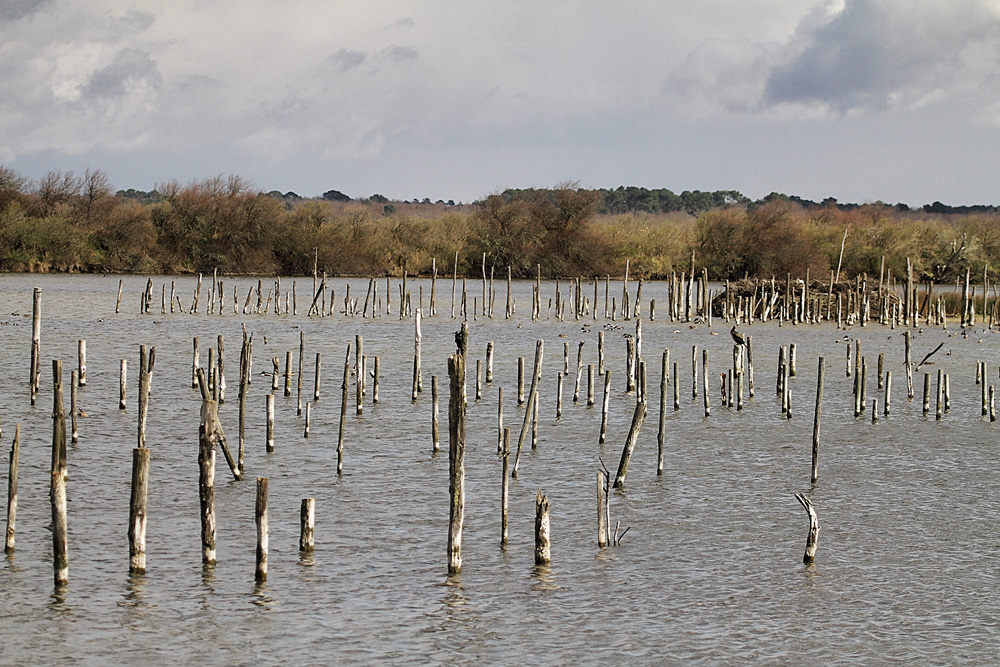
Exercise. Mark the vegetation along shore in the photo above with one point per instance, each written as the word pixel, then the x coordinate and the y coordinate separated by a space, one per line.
pixel 79 223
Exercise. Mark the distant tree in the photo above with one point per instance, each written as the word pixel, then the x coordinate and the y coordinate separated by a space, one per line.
pixel 379 199
pixel 335 195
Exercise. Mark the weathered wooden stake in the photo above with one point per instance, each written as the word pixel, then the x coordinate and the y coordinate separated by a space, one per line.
pixel 195 363
pixel 269 406
pixel 316 377
pixel 307 524
pixel 504 485
pixel 456 460
pixel 604 405
pixel 435 436
pixel 633 436
pixel 489 362
pixel 12 471
pixel 602 503
pixel 122 384
pixel 81 377
pixel 260 517
pixel 811 540
pixel 663 412
pixel 532 393
pixel 559 392
pixel 34 381
pixel 74 436
pixel 146 361
pixel 821 371
pixel 345 385
pixel 417 379
pixel 543 547
pixel 288 373
pixel 206 478
pixel 137 511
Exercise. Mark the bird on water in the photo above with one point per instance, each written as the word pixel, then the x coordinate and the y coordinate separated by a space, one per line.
pixel 738 337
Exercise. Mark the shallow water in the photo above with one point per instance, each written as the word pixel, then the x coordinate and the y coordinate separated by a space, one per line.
pixel 709 572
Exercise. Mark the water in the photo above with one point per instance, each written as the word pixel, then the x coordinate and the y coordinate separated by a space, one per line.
pixel 710 571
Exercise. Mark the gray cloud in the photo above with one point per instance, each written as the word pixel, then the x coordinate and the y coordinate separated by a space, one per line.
pixel 398 54
pixel 129 67
pixel 348 60
pixel 866 55
pixel 15 10
pixel 877 52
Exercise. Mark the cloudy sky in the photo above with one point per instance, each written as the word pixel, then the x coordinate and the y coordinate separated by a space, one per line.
pixel 861 100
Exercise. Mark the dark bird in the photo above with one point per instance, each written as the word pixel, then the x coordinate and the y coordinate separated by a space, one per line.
pixel 738 338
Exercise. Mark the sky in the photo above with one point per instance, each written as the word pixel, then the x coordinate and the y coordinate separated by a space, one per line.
pixel 860 100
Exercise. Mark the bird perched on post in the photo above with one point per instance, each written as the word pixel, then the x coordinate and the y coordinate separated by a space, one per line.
pixel 738 338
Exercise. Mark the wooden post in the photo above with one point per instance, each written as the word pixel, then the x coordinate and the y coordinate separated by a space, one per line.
pixel 579 373
pixel 146 361
pixel 122 384
pixel 60 557
pixel 195 364
pixel 74 435
pixel 532 393
pixel 118 303
pixel 600 353
pixel 206 479
pixel 633 436
pixel 298 379
pixel 927 393
pixel 590 385
pixel 345 385
pixel 316 377
pixel 559 392
pixel 816 420
pixel 81 376
pixel 694 371
pixel 939 394
pixel 456 460
pixel 307 525
pixel 288 373
pixel 58 421
pixel 520 381
pixel 489 362
pixel 663 413
pixel 137 511
pixel 499 420
pixel 359 378
pixel 417 380
pixel 260 517
pixel 269 406
pixel 436 440
pixel 15 450
pixel 908 360
pixel 36 350
pixel 375 374
pixel 602 503
pixel 811 540
pixel 543 549
pixel 604 405
pixel 504 485
pixel 704 378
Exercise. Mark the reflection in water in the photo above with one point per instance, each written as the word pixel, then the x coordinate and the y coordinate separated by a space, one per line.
pixel 260 598
pixel 134 586
pixel 58 600
pixel 543 580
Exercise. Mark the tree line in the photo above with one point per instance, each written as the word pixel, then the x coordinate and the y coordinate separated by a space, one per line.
pixel 67 222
